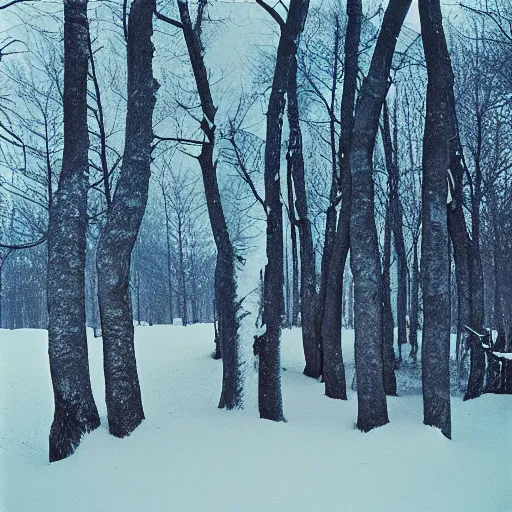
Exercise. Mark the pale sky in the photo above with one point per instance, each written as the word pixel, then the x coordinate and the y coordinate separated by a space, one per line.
pixel 413 17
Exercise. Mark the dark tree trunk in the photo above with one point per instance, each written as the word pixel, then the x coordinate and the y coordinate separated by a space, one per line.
pixel 391 155
pixel 435 349
pixel 350 301
pixel 415 293
pixel 183 277
pixel 225 281
pixel 118 237
pixel 295 260
pixel 330 219
pixel 334 371
pixel 461 255
pixel 169 259
pixel 217 354
pixel 492 374
pixel 477 362
pixel 398 233
pixel 75 410
pixel 269 384
pixel 295 278
pixel 308 295
pixel 388 326
pixel 395 211
pixel 193 299
pixel 3 259
pixel 364 248
pixel 468 268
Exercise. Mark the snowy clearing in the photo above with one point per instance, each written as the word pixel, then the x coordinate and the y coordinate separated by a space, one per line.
pixel 190 456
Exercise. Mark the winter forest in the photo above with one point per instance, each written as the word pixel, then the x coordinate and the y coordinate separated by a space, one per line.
pixel 219 212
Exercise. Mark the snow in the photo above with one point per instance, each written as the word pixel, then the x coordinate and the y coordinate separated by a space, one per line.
pixel 190 456
pixel 504 355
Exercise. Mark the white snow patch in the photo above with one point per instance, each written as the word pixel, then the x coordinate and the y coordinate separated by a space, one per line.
pixel 504 355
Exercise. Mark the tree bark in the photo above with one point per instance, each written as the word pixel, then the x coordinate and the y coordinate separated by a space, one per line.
pixel 183 277
pixel 308 295
pixel 331 214
pixel 334 370
pixel 75 410
pixel 269 383
pixel 118 237
pixel 365 258
pixel 295 260
pixel 435 349
pixel 492 373
pixel 398 234
pixel 388 331
pixel 414 306
pixel 388 324
pixel 225 280
pixel 169 263
pixel 477 361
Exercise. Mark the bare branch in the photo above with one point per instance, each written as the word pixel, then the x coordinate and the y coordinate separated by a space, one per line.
pixel 170 21
pixel 272 13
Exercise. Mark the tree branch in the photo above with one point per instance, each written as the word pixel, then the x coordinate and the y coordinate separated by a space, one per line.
pixel 272 13
pixel 170 21
pixel 29 245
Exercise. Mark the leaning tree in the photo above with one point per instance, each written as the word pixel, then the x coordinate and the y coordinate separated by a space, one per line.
pixel 364 247
pixel 124 217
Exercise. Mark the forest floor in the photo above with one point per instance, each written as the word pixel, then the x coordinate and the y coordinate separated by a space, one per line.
pixel 190 456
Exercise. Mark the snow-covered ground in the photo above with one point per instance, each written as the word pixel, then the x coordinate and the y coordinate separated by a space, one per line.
pixel 190 456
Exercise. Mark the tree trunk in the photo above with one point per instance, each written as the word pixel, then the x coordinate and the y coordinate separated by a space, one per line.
pixel 492 374
pixel 3 259
pixel 225 280
pixel 193 299
pixel 391 156
pixel 365 258
pixel 169 264
pixel 334 371
pixel 308 295
pixel 269 384
pixel 330 220
pixel 435 349
pixel 183 277
pixel 75 410
pixel 414 306
pixel 295 260
pixel 477 362
pixel 388 326
pixel 118 237
pixel 398 234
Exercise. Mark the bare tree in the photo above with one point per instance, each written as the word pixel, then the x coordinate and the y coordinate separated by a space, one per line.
pixel 268 345
pixel 124 217
pixel 75 410
pixel 308 295
pixel 364 249
pixel 225 279
pixel 334 372
pixel 435 348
